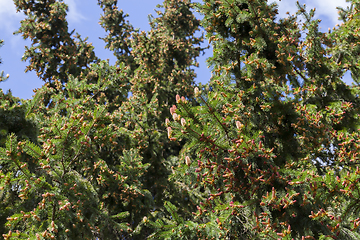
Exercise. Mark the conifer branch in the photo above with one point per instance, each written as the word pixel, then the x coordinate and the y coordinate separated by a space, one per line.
pixel 200 136
pixel 19 167
pixel 301 75
pixel 81 145
pixel 212 113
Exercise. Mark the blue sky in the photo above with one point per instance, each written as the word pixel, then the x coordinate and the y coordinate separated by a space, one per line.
pixel 83 16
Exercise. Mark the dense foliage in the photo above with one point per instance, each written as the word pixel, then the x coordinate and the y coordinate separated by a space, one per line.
pixel 267 149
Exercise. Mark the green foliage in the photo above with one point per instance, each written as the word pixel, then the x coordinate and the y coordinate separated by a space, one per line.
pixel 63 181
pixel 119 31
pixel 13 119
pixel 165 56
pixel 13 122
pixel 174 228
pixel 54 52
pixel 100 161
pixel 267 150
pixel 277 129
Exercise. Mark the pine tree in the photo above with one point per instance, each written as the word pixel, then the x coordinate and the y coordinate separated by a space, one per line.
pixel 166 56
pixel 119 31
pixel 267 150
pixel 76 180
pixel 90 172
pixel 275 137
pixel 54 52
pixel 12 120
pixel 159 65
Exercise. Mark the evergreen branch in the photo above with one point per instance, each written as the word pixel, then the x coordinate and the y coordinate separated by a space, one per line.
pixel 11 137
pixel 63 151
pixel 36 98
pixel 28 146
pixel 300 74
pixel 338 60
pixel 287 32
pixel 53 211
pixel 19 167
pixel 257 19
pixel 349 208
pixel 199 135
pixel 239 59
pixel 146 132
pixel 192 116
pixel 81 145
pixel 212 113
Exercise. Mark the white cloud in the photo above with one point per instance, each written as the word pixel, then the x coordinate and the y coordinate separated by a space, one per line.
pixel 10 22
pixel 73 13
pixel 285 6
pixel 9 18
pixel 325 10
pixel 7 8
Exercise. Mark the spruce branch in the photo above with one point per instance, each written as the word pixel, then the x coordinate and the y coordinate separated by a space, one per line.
pixel 19 167
pixel 81 145
pixel 211 111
